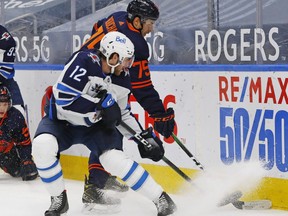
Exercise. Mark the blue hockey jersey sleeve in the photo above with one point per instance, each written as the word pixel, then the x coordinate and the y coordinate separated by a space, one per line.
pixel 74 91
pixel 7 54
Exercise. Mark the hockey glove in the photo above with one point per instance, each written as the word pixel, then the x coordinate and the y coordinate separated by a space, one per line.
pixel 110 111
pixel 164 122
pixel 154 149
pixel 28 170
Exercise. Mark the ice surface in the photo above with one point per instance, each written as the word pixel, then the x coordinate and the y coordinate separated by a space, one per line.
pixel 20 198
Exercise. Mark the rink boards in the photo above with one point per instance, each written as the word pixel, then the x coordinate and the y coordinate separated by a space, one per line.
pixel 225 115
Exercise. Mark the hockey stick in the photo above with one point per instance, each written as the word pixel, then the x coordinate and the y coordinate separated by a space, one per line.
pixel 176 169
pixel 166 160
pixel 187 151
pixel 252 205
pixel 27 115
pixel 228 199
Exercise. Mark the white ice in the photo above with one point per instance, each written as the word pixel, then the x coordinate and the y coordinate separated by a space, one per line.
pixel 20 198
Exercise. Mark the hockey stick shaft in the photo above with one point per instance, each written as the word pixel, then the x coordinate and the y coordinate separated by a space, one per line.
pixel 176 169
pixel 233 197
pixel 183 147
pixel 166 160
pixel 27 115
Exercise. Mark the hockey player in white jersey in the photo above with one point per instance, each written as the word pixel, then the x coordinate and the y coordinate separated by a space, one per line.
pixel 87 104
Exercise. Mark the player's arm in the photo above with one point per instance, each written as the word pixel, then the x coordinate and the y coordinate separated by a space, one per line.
pixel 147 96
pixel 73 91
pixel 81 98
pixel 155 151
pixel 143 89
pixel 7 54
pixel 20 133
pixel 6 39
pixel 22 139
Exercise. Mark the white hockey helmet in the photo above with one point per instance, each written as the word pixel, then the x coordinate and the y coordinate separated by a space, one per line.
pixel 116 42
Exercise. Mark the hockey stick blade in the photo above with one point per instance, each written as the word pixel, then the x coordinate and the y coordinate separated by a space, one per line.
pixel 253 205
pixel 230 198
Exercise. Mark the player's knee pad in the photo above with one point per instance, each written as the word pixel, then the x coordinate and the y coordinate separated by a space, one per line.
pixel 44 150
pixel 135 176
pixel 116 162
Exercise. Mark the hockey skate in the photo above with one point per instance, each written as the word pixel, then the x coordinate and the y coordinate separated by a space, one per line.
pixel 114 185
pixel 97 201
pixel 165 205
pixel 59 205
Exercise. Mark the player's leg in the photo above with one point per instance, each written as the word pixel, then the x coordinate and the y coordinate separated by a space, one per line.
pixel 45 151
pixel 138 179
pixel 96 197
pixel 99 176
pixel 104 180
pixel 28 168
pixel 97 200
pixel 18 163
pixel 10 162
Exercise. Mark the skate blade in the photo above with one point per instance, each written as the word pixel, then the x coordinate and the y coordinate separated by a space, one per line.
pixel 95 209
pixel 253 205
pixel 116 194
pixel 230 198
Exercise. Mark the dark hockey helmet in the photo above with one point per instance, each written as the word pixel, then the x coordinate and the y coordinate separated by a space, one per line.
pixel 144 9
pixel 5 95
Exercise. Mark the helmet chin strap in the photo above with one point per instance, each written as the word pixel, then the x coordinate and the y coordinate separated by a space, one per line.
pixel 112 66
pixel 112 70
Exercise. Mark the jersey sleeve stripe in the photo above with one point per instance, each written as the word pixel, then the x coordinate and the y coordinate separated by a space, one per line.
pixel 66 90
pixel 142 82
pixel 142 86
pixel 25 142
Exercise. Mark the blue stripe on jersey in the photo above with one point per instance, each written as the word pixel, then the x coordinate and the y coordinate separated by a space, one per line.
pixel 52 166
pixel 66 90
pixel 87 121
pixel 132 169
pixel 8 65
pixel 7 75
pixel 141 181
pixel 53 178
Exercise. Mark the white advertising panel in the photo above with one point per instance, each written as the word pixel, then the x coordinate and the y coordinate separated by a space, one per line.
pixel 223 117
